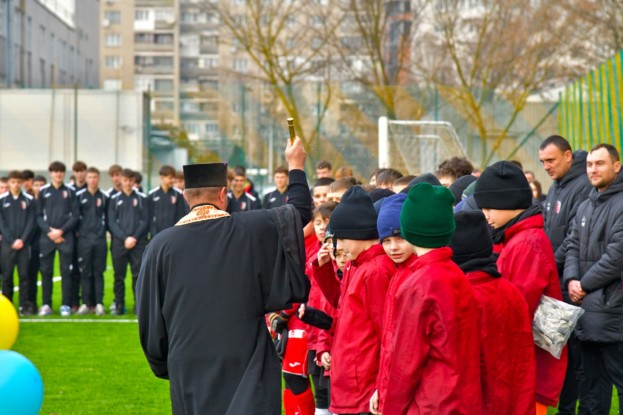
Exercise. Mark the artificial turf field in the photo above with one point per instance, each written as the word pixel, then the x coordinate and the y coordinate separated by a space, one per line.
pixel 98 367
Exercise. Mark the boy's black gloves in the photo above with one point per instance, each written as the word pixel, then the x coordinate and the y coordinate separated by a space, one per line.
pixel 317 318
pixel 278 322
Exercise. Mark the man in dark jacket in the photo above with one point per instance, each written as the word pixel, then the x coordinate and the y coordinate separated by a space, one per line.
pixel 593 266
pixel 570 188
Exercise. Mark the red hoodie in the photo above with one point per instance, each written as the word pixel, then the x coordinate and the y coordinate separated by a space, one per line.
pixel 356 345
pixel 432 362
pixel 528 262
pixel 508 369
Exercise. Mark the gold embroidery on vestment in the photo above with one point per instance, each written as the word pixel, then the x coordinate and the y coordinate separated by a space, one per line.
pixel 201 213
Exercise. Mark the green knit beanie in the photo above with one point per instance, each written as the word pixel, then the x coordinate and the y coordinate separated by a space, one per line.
pixel 426 218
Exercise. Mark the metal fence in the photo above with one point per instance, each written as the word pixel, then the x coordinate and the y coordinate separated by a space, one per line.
pixel 590 108
pixel 253 133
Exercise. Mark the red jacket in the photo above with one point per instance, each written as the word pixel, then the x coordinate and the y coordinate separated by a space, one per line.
pixel 433 359
pixel 528 262
pixel 404 270
pixel 356 345
pixel 508 368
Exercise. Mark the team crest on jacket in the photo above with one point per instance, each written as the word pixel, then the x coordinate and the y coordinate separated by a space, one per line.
pixel 558 205
pixel 22 205
pixel 134 202
pixel 173 200
pixel 98 202
pixel 64 194
pixel 583 221
pixel 243 205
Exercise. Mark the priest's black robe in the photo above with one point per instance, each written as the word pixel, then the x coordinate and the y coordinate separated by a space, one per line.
pixel 202 293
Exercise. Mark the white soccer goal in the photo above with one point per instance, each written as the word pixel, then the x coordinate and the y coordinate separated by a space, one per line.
pixel 417 147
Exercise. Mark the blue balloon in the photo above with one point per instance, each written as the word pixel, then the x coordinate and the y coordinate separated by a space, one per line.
pixel 21 386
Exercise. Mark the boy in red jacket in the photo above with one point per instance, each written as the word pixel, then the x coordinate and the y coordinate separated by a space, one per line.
pixel 359 299
pixel 320 218
pixel 300 348
pixel 431 362
pixel 400 251
pixel 526 259
pixel 508 370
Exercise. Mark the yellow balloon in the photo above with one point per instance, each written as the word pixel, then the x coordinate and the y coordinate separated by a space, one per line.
pixel 9 324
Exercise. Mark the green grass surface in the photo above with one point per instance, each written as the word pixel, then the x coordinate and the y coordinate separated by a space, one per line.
pixel 92 368
pixel 99 368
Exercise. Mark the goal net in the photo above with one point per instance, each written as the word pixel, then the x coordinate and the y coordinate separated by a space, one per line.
pixel 417 147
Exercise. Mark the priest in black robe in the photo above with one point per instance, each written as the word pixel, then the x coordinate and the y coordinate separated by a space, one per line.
pixel 205 286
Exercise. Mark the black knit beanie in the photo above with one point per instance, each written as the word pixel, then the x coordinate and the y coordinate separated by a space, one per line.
pixel 503 186
pixel 458 187
pixel 422 178
pixel 471 239
pixel 354 217
pixel 378 194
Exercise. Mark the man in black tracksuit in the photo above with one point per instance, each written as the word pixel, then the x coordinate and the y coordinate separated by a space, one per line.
pixel 34 265
pixel 128 222
pixel 92 248
pixel 17 222
pixel 237 199
pixel 570 188
pixel 57 216
pixel 593 267
pixel 277 197
pixel 79 171
pixel 166 203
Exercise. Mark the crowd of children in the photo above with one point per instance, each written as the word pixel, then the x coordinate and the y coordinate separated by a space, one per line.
pixel 420 306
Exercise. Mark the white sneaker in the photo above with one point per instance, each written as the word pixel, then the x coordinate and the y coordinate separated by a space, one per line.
pixel 45 310
pixel 83 310
pixel 100 310
pixel 65 311
pixel 113 307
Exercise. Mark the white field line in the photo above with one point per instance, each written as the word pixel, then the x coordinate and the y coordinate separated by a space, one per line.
pixel 60 320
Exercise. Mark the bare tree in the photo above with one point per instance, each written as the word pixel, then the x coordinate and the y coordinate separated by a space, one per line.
pixel 599 25
pixel 288 43
pixel 374 45
pixel 506 48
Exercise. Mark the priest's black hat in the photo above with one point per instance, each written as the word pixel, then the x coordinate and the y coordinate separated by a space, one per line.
pixel 205 175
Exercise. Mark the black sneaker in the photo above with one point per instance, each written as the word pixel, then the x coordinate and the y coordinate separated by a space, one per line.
pixel 27 309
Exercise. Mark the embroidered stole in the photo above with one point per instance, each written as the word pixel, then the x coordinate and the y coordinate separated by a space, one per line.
pixel 201 213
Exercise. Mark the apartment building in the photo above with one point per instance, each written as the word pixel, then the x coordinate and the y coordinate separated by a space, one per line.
pixel 49 43
pixel 139 50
